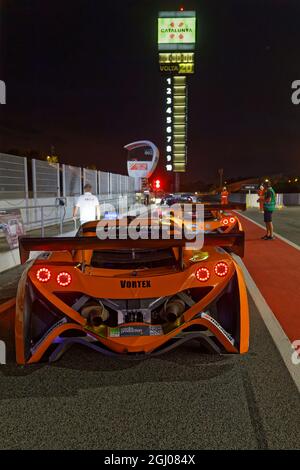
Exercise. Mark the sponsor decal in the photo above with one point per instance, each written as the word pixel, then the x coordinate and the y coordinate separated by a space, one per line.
pixel 114 332
pixel 136 330
pixel 220 328
pixel 155 330
pixel 135 284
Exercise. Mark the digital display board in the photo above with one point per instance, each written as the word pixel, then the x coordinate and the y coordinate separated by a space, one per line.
pixel 176 112
pixel 176 30
pixel 176 63
pixel 180 69
pixel 176 46
pixel 176 57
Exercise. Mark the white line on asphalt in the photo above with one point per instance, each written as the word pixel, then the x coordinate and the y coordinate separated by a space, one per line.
pixel 280 339
pixel 276 234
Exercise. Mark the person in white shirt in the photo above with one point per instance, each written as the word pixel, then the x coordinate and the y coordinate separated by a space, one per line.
pixel 88 205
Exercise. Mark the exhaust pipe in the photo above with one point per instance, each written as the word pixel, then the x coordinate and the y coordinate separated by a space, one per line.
pixel 173 310
pixel 95 313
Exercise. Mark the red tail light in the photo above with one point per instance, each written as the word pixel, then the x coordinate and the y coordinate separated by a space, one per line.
pixel 43 275
pixel 64 279
pixel 232 220
pixel 221 269
pixel 202 274
pixel 225 221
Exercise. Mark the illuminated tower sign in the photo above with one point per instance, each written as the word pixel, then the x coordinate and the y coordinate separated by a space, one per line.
pixel 142 160
pixel 176 44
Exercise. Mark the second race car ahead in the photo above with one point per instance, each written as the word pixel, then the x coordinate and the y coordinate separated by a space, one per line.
pixel 215 217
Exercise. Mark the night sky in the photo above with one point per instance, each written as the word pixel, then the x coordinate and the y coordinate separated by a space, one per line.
pixel 82 75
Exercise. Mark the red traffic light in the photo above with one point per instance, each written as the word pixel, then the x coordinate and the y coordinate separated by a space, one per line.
pixel 156 184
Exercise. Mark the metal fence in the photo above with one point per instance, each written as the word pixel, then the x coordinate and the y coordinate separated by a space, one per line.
pixel 52 180
pixel 114 183
pixel 291 199
pixel 90 177
pixel 103 182
pixel 13 177
pixel 29 185
pixel 131 185
pixel 71 180
pixel 42 216
pixel 45 179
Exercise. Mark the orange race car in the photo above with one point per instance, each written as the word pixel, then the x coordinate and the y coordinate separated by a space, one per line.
pixel 216 216
pixel 132 298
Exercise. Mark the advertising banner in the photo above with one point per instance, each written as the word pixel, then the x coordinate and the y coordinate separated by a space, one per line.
pixel 11 224
pixel 134 166
pixel 176 30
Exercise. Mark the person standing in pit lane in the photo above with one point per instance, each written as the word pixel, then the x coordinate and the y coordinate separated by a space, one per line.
pixel 224 196
pixel 269 207
pixel 260 199
pixel 88 204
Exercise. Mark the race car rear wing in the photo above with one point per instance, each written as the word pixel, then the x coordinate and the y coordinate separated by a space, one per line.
pixel 234 242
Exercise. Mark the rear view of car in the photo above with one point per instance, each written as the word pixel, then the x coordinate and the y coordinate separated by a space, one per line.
pixel 130 297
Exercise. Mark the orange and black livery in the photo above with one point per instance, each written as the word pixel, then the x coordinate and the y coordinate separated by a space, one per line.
pixel 132 298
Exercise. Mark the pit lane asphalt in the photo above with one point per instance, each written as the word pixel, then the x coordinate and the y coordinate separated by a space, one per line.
pixel 180 400
pixel 286 222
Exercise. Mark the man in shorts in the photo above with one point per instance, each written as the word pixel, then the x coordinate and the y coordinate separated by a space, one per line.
pixel 269 207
